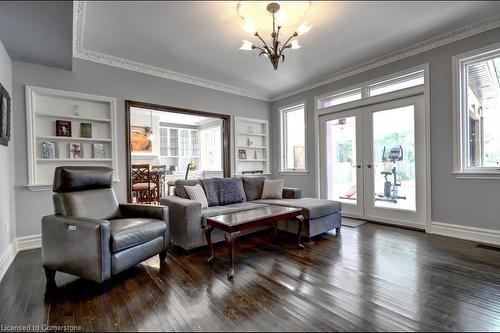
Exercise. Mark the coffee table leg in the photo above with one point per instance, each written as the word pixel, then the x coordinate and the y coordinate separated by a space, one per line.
pixel 230 239
pixel 208 235
pixel 301 227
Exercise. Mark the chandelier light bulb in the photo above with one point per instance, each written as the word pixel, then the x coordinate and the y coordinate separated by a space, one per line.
pixel 281 17
pixel 295 44
pixel 303 28
pixel 247 46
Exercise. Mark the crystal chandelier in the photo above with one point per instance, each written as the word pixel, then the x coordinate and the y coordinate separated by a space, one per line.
pixel 275 49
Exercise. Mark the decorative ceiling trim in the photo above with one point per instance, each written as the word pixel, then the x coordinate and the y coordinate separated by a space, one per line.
pixel 79 9
pixel 406 52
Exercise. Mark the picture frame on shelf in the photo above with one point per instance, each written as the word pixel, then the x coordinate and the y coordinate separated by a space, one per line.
pixel 4 116
pixel 63 128
pixel 242 154
pixel 98 151
pixel 75 150
pixel 48 150
pixel 86 130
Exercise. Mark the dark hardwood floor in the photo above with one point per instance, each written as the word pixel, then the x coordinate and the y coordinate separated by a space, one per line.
pixel 369 278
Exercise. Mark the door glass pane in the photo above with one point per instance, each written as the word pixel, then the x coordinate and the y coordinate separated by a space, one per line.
pixel 394 158
pixel 341 159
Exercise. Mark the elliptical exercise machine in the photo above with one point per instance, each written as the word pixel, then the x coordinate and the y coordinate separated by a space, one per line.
pixel 391 188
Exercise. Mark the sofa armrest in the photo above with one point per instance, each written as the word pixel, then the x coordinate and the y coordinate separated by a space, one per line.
pixel 76 245
pixel 184 217
pixel 141 210
pixel 292 193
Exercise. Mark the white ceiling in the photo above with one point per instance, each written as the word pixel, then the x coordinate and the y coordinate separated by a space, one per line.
pixel 202 38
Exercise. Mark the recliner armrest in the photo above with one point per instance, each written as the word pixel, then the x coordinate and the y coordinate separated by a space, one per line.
pixel 292 193
pixel 77 245
pixel 141 210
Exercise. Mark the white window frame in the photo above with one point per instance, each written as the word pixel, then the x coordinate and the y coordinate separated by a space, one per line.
pixel 460 148
pixel 283 150
pixel 365 89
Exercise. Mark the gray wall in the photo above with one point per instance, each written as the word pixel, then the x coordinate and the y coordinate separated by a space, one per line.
pixel 458 201
pixel 92 78
pixel 7 205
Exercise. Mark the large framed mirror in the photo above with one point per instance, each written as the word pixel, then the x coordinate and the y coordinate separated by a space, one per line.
pixel 165 144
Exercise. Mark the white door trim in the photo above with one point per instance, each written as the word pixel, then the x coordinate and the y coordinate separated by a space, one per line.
pixel 425 88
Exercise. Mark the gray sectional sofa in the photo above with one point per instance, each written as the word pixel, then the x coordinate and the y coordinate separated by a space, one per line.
pixel 187 218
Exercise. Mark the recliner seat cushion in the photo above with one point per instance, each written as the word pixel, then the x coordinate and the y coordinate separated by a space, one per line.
pixel 126 233
pixel 312 208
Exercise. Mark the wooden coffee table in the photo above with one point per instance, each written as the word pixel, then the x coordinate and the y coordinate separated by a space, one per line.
pixel 234 223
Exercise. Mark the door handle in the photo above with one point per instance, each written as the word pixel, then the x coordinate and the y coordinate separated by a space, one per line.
pixel 357 166
pixel 369 165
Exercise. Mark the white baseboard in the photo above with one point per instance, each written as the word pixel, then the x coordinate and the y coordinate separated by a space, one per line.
pixel 480 235
pixel 7 258
pixel 28 242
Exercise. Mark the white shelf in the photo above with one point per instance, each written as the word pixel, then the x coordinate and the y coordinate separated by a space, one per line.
pixel 70 138
pixel 252 134
pixel 101 120
pixel 74 159
pixel 43 106
pixel 252 147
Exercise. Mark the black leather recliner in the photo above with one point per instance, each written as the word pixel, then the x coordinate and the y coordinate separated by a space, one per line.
pixel 91 235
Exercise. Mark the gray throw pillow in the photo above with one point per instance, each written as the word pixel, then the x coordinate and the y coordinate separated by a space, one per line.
pixel 197 193
pixel 253 187
pixel 180 191
pixel 273 189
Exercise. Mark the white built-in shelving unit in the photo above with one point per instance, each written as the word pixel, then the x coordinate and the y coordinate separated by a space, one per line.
pixel 44 107
pixel 252 137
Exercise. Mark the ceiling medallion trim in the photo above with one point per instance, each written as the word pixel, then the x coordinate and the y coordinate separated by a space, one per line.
pixel 79 9
pixel 426 45
pixel 420 47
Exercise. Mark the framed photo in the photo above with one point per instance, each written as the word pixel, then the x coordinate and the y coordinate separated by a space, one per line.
pixel 98 150
pixel 140 139
pixel 4 116
pixel 63 128
pixel 75 150
pixel 86 130
pixel 49 150
pixel 242 154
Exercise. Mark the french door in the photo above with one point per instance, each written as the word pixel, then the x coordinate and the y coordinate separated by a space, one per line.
pixel 372 159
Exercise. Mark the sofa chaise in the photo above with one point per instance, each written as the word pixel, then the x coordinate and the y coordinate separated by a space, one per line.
pixel 187 218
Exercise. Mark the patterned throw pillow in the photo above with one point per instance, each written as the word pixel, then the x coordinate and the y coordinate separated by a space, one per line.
pixel 197 193
pixel 223 191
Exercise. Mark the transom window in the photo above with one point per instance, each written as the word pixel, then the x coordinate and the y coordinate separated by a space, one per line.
pixel 293 138
pixel 478 112
pixel 376 88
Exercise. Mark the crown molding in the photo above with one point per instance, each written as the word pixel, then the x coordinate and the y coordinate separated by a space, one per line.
pixel 406 52
pixel 79 10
